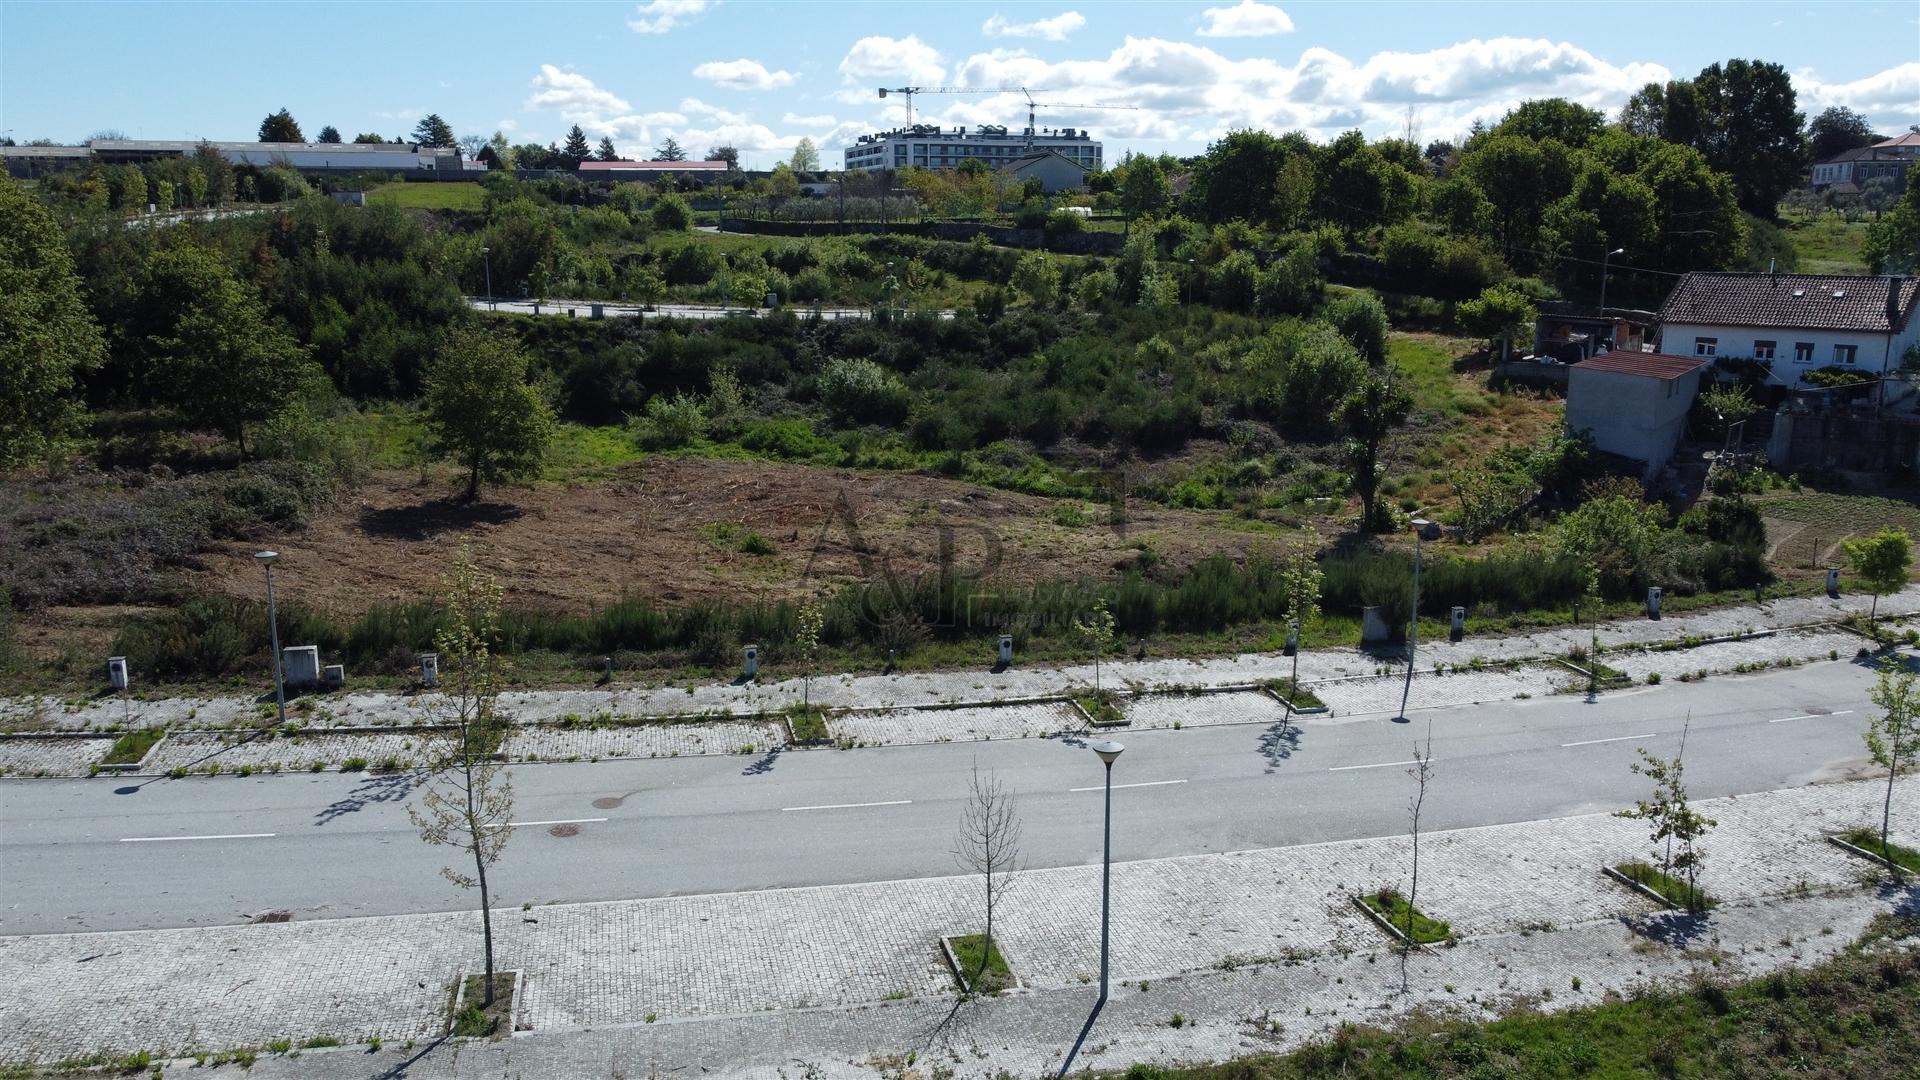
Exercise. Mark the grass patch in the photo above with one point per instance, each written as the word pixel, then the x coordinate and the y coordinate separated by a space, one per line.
pixel 966 953
pixel 1869 841
pixel 1827 243
pixel 460 195
pixel 475 1020
pixel 809 723
pixel 131 746
pixel 1675 890
pixel 1850 1017
pixel 1100 708
pixel 1391 906
pixel 1299 696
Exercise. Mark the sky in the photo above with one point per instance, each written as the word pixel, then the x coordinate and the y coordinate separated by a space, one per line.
pixel 761 75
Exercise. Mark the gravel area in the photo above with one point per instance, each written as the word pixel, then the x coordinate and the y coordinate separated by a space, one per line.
pixel 906 726
pixel 1798 646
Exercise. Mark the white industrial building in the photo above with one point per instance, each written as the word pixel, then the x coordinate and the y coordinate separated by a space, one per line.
pixel 930 146
pixel 34 161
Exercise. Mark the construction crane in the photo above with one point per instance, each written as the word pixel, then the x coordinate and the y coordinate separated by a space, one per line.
pixel 1032 105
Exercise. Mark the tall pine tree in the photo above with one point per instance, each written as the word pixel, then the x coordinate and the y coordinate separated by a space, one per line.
pixel 576 149
pixel 280 127
pixel 606 151
pixel 433 131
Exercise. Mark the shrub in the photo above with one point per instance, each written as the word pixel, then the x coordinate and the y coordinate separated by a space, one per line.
pixel 793 440
pixel 691 265
pixel 671 423
pixel 859 391
pixel 1362 319
pixel 1233 282
pixel 1064 222
pixel 1291 285
pixel 812 284
pixel 671 213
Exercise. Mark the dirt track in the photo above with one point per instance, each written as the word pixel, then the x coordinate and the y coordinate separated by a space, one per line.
pixel 651 532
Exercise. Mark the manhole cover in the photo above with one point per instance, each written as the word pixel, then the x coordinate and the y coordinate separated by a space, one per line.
pixel 564 830
pixel 1818 710
pixel 611 802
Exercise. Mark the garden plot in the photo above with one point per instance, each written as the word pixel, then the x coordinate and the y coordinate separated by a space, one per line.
pixel 904 726
pixel 1381 693
pixel 644 740
pixel 1722 656
pixel 51 757
pixel 1203 710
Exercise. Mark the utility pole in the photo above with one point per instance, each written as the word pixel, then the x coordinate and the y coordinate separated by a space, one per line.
pixel 1422 530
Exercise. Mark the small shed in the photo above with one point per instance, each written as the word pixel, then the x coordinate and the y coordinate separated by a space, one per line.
pixel 1634 404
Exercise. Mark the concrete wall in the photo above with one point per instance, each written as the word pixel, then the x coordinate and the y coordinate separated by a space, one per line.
pixel 1631 415
pixel 1875 353
pixel 1855 440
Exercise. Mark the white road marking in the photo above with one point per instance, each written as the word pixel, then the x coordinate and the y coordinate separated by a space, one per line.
pixel 1382 765
pixel 1144 783
pixel 1812 716
pixel 846 806
pixel 560 821
pixel 223 836
pixel 1616 738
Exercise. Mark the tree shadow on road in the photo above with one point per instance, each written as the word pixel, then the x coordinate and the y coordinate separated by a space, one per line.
pixel 1674 929
pixel 1278 742
pixel 764 765
pixel 390 787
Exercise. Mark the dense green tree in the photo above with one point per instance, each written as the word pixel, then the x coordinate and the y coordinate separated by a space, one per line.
pixel 1699 225
pixel 1882 563
pixel 606 152
pixel 1835 130
pixel 1671 111
pixel 329 134
pixel 481 410
pixel 1240 177
pixel 1755 135
pixel 806 157
pixel 435 132
pixel 724 152
pixel 368 138
pixel 1520 178
pixel 1370 414
pixel 672 214
pixel 47 336
pixel 1499 314
pixel 669 150
pixel 1553 118
pixel 1893 242
pixel 1358 187
pixel 280 127
pixel 211 350
pixel 1361 318
pixel 1145 191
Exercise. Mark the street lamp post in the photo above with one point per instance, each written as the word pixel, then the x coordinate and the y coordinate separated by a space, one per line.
pixel 1109 751
pixel 273 630
pixel 1422 530
pixel 486 255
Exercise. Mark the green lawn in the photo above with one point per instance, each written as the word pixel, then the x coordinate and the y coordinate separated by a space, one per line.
pixel 1828 244
pixel 1392 907
pixel 1868 841
pixel 1676 890
pixel 447 195
pixel 966 952
pixel 131 746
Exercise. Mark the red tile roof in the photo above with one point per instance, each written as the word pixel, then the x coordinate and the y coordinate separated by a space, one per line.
pixel 653 166
pixel 1650 365
pixel 1791 301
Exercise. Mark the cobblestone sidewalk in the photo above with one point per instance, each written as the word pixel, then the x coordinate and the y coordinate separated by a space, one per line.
pixel 683 959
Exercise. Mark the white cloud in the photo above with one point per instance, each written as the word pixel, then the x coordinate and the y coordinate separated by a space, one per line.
pixel 661 16
pixel 506 127
pixel 1054 29
pixel 696 107
pixel 906 58
pixel 743 74
pixel 407 115
pixel 1246 19
pixel 571 93
pixel 1890 100
pixel 821 121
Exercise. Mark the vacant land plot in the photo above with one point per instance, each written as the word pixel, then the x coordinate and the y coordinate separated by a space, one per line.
pixel 1828 244
pixel 680 529
pixel 1805 528
pixel 453 195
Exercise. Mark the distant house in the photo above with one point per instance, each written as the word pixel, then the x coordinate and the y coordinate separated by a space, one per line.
pixel 1793 323
pixel 1847 172
pixel 1634 404
pixel 651 170
pixel 1054 170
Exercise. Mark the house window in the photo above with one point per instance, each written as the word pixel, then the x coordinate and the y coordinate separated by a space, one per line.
pixel 1705 346
pixel 1803 352
pixel 1843 354
pixel 1763 350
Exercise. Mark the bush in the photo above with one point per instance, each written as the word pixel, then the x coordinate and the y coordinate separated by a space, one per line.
pixel 1233 282
pixel 1064 222
pixel 1362 319
pixel 857 391
pixel 671 423
pixel 811 285
pixel 691 265
pixel 793 440
pixel 1291 285
pixel 672 214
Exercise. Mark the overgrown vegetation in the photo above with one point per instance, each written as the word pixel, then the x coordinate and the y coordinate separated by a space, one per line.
pixel 1420 929
pixel 131 746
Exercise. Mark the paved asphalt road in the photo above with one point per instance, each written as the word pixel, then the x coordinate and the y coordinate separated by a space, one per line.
pixel 119 854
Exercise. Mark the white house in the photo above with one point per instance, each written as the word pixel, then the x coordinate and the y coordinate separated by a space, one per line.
pixel 1055 171
pixel 1793 323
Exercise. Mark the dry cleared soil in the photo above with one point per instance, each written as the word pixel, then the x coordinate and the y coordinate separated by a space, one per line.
pixel 671 529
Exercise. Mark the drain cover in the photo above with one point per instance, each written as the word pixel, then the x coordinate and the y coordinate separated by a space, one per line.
pixel 564 830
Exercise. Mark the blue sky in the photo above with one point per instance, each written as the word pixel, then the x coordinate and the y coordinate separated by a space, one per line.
pixel 760 75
